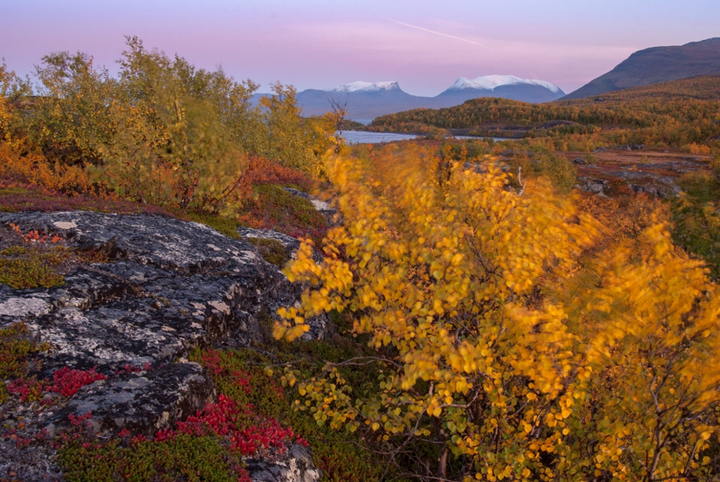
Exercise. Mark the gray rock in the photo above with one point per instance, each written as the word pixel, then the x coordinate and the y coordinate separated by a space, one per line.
pixel 594 186
pixel 141 402
pixel 171 286
pixel 295 465
pixel 295 192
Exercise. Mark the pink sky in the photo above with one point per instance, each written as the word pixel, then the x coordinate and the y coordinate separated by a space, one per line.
pixel 425 46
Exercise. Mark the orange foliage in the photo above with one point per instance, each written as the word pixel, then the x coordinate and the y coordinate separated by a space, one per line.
pixel 624 218
pixel 264 171
pixel 35 169
pixel 695 148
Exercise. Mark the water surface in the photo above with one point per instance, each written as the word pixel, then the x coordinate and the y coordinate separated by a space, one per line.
pixel 363 137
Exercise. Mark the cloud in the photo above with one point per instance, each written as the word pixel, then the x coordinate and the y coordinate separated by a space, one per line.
pixel 439 33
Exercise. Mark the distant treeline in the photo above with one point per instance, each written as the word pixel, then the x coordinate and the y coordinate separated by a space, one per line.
pixel 670 114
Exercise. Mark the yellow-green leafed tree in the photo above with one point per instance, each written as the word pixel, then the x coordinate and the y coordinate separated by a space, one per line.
pixel 504 340
pixel 293 141
pixel 75 111
pixel 178 139
pixel 12 89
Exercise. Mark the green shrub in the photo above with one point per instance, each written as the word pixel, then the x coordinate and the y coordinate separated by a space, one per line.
pixel 16 346
pixel 183 457
pixel 31 267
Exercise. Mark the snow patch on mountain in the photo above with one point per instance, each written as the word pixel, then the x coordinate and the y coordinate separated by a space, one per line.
pixel 361 86
pixel 490 82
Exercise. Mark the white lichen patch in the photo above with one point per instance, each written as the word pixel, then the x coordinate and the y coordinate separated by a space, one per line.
pixel 320 205
pixel 21 307
pixel 213 247
pixel 65 224
pixel 247 256
pixel 220 306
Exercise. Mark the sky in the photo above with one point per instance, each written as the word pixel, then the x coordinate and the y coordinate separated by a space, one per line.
pixel 424 45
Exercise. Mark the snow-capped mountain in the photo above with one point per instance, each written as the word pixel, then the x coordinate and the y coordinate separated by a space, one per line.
pixel 367 100
pixel 362 100
pixel 490 82
pixel 506 86
pixel 361 86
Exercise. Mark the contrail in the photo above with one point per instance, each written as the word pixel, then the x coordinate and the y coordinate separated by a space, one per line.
pixel 438 33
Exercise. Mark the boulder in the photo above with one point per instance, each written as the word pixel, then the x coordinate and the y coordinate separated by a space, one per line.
pixel 169 286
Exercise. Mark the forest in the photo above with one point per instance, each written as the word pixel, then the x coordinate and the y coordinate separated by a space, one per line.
pixel 492 322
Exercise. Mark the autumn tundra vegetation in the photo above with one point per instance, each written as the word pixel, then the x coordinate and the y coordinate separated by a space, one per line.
pixel 492 323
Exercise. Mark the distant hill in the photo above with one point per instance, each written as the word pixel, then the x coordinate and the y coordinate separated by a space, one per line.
pixel 704 87
pixel 675 113
pixel 367 100
pixel 656 64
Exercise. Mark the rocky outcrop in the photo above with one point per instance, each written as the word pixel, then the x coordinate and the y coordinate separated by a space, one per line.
pixel 169 286
pixel 639 182
pixel 295 465
pixel 142 402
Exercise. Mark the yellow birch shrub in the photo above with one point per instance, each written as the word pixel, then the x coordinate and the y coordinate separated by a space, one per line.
pixel 502 338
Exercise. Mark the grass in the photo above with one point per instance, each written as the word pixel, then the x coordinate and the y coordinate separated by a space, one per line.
pixel 17 196
pixel 696 218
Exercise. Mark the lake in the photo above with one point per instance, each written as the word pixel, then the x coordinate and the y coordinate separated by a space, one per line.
pixel 363 137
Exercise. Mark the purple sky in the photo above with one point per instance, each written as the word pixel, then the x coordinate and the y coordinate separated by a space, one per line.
pixel 425 45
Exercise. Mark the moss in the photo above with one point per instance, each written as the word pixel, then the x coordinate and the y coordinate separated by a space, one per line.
pixel 271 250
pixel 32 267
pixel 219 223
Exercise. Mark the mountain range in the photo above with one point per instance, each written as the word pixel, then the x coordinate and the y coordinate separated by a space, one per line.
pixel 367 100
pixel 656 64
